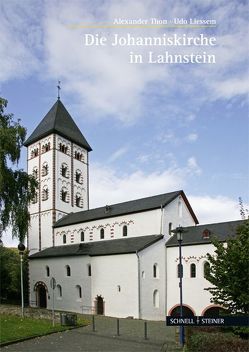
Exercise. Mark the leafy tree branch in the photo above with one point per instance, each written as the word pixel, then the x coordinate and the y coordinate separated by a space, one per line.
pixel 17 188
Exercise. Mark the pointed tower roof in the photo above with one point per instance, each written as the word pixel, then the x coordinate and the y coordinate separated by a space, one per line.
pixel 58 120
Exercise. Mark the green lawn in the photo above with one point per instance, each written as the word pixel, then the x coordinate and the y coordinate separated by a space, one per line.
pixel 13 327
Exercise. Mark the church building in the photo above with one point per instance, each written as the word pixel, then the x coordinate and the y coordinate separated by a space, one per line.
pixel 120 259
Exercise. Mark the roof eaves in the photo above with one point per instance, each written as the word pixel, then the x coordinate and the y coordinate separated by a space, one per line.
pixel 56 255
pixel 191 243
pixel 54 130
pixel 113 253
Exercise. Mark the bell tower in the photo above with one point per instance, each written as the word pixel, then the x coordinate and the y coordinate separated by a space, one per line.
pixel 57 154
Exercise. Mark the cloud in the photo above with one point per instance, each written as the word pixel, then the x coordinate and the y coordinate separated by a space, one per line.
pixel 173 138
pixel 193 166
pixel 169 137
pixel 117 154
pixel 231 87
pixel 192 137
pixel 215 209
pixel 110 188
pixel 20 40
pixel 101 79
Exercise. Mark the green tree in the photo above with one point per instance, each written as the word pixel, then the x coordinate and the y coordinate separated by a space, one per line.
pixel 10 275
pixel 17 188
pixel 229 272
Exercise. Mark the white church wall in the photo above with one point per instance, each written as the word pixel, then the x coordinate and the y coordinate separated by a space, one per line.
pixel 115 279
pixel 33 234
pixel 152 279
pixel 46 181
pixel 46 229
pixel 68 182
pixel 63 181
pixel 33 164
pixel 81 187
pixel 178 214
pixel 194 294
pixel 69 300
pixel 42 204
pixel 138 224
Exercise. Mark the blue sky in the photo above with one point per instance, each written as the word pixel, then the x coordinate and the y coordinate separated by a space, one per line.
pixel 153 128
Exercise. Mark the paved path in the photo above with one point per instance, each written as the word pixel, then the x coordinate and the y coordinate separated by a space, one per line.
pixel 104 339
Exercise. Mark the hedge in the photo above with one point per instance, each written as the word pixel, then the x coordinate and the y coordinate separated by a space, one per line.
pixel 222 342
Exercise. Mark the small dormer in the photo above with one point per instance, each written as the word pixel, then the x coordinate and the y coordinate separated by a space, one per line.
pixel 107 208
pixel 206 234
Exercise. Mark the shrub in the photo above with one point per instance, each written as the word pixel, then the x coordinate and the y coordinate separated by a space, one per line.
pixel 243 332
pixel 206 342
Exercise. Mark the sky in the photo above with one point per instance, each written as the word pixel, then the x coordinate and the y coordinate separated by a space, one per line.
pixel 154 128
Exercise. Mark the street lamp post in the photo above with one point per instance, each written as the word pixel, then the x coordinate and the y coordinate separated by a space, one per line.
pixel 21 249
pixel 179 234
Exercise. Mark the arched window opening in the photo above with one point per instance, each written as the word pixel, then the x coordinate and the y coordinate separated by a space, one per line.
pixel 82 236
pixel 35 198
pixel 78 201
pixel 68 270
pixel 35 173
pixel 63 148
pixel 143 274
pixel 46 147
pixel 170 228
pixel 215 312
pixel 102 233
pixel 186 312
pixel 47 271
pixel 192 270
pixel 44 169
pixel 89 269
pixel 79 291
pixel 64 170
pixel 125 230
pixel 34 152
pixel 119 288
pixel 64 195
pixel 45 193
pixel 78 177
pixel 78 156
pixel 155 271
pixel 64 238
pixel 206 269
pixel 179 270
pixel 59 291
pixel 180 208
pixel 156 299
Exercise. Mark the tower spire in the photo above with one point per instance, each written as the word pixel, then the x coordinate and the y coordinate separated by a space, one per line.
pixel 59 88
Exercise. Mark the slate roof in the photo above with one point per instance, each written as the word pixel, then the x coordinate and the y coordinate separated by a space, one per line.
pixel 194 234
pixel 133 206
pixel 109 247
pixel 58 120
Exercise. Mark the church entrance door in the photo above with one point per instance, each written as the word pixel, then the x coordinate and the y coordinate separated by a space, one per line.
pixel 42 297
pixel 100 305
